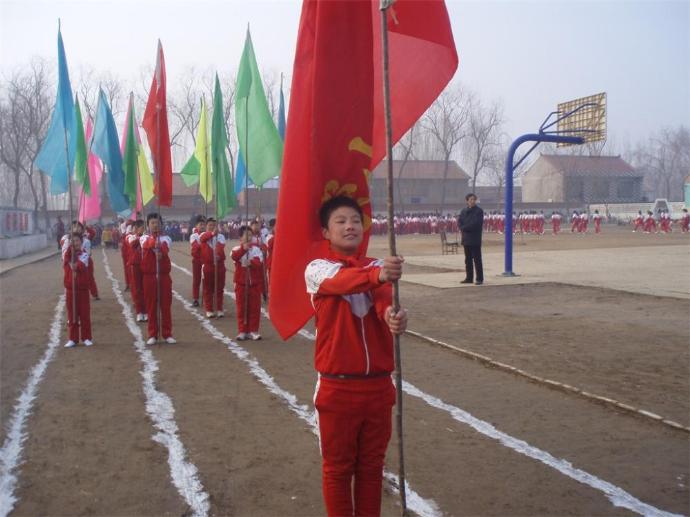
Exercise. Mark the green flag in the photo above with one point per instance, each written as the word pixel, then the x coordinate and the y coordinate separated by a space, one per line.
pixel 198 167
pixel 81 170
pixel 225 194
pixel 260 143
pixel 130 158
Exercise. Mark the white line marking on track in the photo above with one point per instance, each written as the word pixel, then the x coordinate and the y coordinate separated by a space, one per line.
pixel 616 495
pixel 160 409
pixel 11 452
pixel 415 503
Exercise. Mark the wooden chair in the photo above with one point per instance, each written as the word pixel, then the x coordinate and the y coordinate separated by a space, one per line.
pixel 448 247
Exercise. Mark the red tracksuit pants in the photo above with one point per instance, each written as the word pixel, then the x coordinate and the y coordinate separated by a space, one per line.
pixel 196 278
pixel 253 309
pixel 149 281
pixel 208 289
pixel 354 418
pixel 123 252
pixel 137 288
pixel 556 227
pixel 83 320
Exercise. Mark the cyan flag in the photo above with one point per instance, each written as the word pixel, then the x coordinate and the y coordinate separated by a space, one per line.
pixel 107 147
pixel 241 175
pixel 53 157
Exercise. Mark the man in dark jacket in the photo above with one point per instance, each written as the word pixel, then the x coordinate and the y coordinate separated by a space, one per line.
pixel 471 222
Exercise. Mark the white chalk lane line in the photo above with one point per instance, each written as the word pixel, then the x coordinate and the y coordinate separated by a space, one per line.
pixel 13 447
pixel 618 496
pixel 159 407
pixel 415 503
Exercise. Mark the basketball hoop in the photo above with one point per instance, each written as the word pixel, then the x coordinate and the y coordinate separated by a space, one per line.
pixel 585 117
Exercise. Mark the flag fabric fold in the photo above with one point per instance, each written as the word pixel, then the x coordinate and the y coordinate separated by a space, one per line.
pixel 130 155
pixel 281 112
pixel 56 156
pixel 91 204
pixel 156 126
pixel 335 135
pixel 198 167
pixel 81 173
pixel 225 195
pixel 241 180
pixel 260 143
pixel 106 146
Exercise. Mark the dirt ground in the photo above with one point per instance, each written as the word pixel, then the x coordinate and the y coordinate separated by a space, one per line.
pixel 90 449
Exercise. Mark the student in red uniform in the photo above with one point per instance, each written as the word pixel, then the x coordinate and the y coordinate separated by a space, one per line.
pixel 638 221
pixel 90 234
pixel 249 285
pixel 75 262
pixel 351 295
pixel 649 223
pixel 155 248
pixel 195 244
pixel 136 278
pixel 685 221
pixel 270 242
pixel 213 259
pixel 124 250
pixel 597 221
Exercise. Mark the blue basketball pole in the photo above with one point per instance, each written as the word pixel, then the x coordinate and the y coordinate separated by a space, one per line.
pixel 537 138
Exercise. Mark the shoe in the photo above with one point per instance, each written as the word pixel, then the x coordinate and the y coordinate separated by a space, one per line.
pixel 145 317
pixel 195 303
pixel 88 342
pixel 151 341
pixel 210 314
pixel 220 314
pixel 96 298
pixel 478 282
pixel 139 318
pixel 70 344
pixel 466 281
pixel 255 336
pixel 241 336
pixel 170 340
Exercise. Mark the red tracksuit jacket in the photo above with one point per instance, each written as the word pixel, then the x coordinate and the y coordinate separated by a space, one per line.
pixel 206 250
pixel 82 280
pixel 352 337
pixel 148 256
pixel 248 260
pixel 196 245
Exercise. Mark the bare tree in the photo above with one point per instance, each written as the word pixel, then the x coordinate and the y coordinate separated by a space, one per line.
pixel 484 127
pixel 24 118
pixel 665 161
pixel 404 151
pixel 447 122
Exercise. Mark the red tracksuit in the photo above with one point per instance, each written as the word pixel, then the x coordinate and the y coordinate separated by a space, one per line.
pixel 248 270
pixel 685 222
pixel 135 276
pixel 196 262
pixel 597 223
pixel 354 394
pixel 207 241
pixel 270 242
pixel 82 321
pixel 148 269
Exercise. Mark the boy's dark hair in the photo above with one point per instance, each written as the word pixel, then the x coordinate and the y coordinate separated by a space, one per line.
pixel 153 215
pixel 200 219
pixel 333 204
pixel 471 194
pixel 138 223
pixel 76 234
pixel 211 220
pixel 272 222
pixel 243 229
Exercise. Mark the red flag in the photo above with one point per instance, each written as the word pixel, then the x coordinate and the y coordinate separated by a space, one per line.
pixel 335 132
pixel 156 126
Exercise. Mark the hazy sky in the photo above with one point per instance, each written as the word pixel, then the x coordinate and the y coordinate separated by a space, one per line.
pixel 528 54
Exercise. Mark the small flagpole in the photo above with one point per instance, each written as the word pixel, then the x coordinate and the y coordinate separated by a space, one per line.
pixel 208 164
pixel 246 207
pixel 69 234
pixel 385 4
pixel 158 203
pixel 214 241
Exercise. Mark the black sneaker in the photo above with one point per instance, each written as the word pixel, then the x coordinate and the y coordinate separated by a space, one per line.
pixel 195 303
pixel 478 282
pixel 466 281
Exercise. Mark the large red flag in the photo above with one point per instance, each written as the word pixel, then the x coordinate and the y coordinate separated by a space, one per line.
pixel 335 132
pixel 156 126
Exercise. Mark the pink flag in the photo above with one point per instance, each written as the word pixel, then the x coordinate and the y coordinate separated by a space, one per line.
pixel 90 206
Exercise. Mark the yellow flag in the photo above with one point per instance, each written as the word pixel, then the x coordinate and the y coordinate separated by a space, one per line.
pixel 202 155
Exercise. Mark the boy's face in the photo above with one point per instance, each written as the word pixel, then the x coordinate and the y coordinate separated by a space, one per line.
pixel 255 226
pixel 247 236
pixel 140 230
pixel 471 201
pixel 211 226
pixel 200 225
pixel 76 242
pixel 345 230
pixel 154 225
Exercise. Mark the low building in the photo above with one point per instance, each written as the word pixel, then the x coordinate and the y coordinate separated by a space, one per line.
pixel 581 180
pixel 421 187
